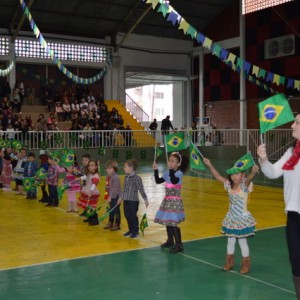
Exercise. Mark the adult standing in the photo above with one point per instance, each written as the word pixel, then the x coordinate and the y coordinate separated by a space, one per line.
pixel 153 126
pixel 166 125
pixel 288 166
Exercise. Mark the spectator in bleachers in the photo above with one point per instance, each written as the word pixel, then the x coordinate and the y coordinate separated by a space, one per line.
pixel 48 101
pixel 15 100
pixel 6 90
pixel 59 111
pixel 128 136
pixel 66 110
pixel 84 107
pixel 30 94
pixel 75 107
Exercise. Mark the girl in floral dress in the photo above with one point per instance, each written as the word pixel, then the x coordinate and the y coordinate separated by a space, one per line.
pixel 171 211
pixel 238 223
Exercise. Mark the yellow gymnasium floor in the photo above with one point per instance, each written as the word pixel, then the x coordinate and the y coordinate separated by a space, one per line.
pixel 32 233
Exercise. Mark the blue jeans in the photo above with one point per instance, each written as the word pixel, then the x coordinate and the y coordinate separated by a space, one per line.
pixel 53 196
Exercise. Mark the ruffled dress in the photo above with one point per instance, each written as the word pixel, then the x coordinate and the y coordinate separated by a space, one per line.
pixel 238 221
pixel 72 181
pixel 171 211
pixel 88 197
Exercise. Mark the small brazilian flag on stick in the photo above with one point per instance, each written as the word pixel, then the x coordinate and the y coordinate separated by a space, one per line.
pixel 273 112
pixel 28 183
pixel 144 223
pixel 195 159
pixel 41 174
pixel 175 142
pixel 68 158
pixel 242 164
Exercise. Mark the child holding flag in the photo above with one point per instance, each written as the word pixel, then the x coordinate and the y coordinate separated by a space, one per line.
pixel 238 223
pixel 30 169
pixel 112 193
pixel 171 211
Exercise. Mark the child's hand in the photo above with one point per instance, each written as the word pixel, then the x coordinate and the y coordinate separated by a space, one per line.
pixel 206 161
pixel 262 152
pixel 146 203
pixel 255 168
pixel 154 166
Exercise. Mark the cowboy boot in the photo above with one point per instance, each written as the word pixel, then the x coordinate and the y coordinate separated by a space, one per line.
pixel 115 227
pixel 297 286
pixel 170 241
pixel 178 247
pixel 94 220
pixel 109 225
pixel 245 265
pixel 229 262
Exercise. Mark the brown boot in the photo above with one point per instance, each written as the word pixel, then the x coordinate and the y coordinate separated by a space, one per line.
pixel 229 262
pixel 297 286
pixel 108 225
pixel 245 265
pixel 115 227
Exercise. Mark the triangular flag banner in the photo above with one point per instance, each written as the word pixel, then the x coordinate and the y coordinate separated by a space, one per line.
pixel 195 160
pixel 175 142
pixel 144 223
pixel 273 112
pixel 101 151
pixel 244 163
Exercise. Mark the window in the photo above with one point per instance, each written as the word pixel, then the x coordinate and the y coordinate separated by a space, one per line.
pixel 70 52
pixel 158 95
pixel 4 46
pixel 254 5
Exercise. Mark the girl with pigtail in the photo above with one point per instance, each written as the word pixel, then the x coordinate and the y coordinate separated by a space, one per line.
pixel 171 211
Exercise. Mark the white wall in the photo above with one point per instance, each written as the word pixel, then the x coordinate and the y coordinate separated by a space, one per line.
pixel 153 55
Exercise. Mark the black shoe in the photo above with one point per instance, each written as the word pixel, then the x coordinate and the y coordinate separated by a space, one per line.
pixel 94 222
pixel 177 248
pixel 167 244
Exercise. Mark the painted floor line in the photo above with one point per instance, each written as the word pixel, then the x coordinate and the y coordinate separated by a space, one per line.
pixel 120 251
pixel 237 273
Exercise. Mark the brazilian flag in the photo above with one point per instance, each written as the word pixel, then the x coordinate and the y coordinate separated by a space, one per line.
pixel 41 174
pixel 158 153
pixel 144 223
pixel 68 158
pixel 273 112
pixel 244 163
pixel 195 159
pixel 17 145
pixel 175 142
pixel 4 143
pixel 28 183
pixel 60 190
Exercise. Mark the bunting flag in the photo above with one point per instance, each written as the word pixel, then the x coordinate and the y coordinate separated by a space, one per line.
pixel 101 151
pixel 68 158
pixel 273 112
pixel 44 145
pixel 241 165
pixel 86 144
pixel 6 71
pixel 41 174
pixel 195 159
pixel 51 53
pixel 175 142
pixel 58 138
pixel 28 183
pixel 144 223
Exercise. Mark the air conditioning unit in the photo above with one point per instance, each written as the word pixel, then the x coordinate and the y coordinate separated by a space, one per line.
pixel 280 46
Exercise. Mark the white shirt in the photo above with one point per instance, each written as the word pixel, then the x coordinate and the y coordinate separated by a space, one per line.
pixel 291 180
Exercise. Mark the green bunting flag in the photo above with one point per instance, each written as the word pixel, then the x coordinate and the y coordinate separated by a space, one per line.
pixel 175 142
pixel 28 183
pixel 44 145
pixel 273 112
pixel 195 159
pixel 144 223
pixel 73 139
pixel 68 158
pixel 101 151
pixel 244 163
pixel 41 174
pixel 86 145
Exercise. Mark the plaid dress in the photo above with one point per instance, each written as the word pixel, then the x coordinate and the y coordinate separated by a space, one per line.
pixel 171 211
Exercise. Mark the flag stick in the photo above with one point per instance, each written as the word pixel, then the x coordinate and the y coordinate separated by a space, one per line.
pixel 261 139
pixel 154 153
pixel 165 141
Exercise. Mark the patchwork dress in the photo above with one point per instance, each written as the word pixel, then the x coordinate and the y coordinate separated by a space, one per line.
pixel 238 221
pixel 171 211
